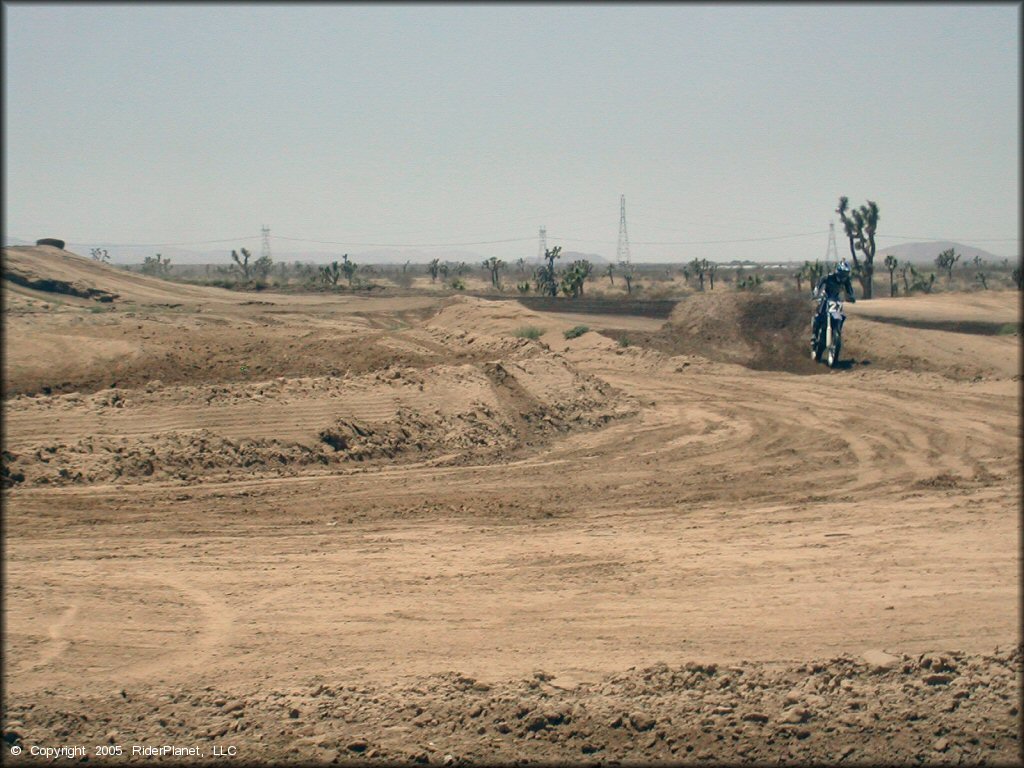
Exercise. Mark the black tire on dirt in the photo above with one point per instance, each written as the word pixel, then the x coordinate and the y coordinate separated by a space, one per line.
pixel 833 358
pixel 818 346
pixel 51 241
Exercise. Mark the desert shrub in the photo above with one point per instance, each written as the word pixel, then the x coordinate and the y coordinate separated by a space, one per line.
pixel 458 284
pixel 403 279
pixel 623 341
pixel 576 331
pixel 752 283
pixel 529 332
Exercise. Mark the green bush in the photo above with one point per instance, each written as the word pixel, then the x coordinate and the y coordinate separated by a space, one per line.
pixel 576 332
pixel 623 341
pixel 529 332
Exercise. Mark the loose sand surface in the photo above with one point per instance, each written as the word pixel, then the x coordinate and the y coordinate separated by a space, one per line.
pixel 337 527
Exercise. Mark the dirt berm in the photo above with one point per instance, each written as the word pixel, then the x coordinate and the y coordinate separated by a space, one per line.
pixel 763 331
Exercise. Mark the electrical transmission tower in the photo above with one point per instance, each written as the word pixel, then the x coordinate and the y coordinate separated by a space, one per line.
pixel 622 252
pixel 542 246
pixel 266 241
pixel 831 250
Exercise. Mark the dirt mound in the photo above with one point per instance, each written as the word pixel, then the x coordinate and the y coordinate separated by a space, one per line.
pixel 49 270
pixel 942 309
pixel 473 316
pixel 763 331
pixel 771 331
pixel 491 410
pixel 934 708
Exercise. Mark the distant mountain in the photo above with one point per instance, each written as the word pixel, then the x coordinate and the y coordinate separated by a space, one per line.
pixel 402 255
pixel 594 258
pixel 925 253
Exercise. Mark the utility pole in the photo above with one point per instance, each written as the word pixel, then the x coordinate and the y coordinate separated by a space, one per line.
pixel 622 252
pixel 542 246
pixel 266 241
pixel 831 250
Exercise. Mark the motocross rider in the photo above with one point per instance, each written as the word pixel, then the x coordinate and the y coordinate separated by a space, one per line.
pixel 828 288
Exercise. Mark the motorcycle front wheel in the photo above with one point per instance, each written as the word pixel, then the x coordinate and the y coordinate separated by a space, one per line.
pixel 833 350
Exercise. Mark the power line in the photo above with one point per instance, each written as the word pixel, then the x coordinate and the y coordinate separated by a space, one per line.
pixel 403 245
pixel 263 237
pixel 702 242
pixel 158 245
pixel 952 239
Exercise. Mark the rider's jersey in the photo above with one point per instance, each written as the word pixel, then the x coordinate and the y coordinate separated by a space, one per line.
pixel 832 283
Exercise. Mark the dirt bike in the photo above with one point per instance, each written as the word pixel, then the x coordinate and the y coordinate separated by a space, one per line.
pixel 827 338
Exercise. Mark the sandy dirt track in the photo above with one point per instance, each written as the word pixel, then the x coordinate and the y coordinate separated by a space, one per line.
pixel 331 528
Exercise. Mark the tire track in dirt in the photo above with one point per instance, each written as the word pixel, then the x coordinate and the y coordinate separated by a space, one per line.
pixel 878 441
pixel 58 642
pixel 134 618
pixel 215 620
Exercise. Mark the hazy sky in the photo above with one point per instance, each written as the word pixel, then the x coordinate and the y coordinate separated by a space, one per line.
pixel 418 124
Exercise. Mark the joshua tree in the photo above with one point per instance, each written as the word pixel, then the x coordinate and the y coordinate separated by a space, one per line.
pixel 861 225
pixel 583 269
pixel 946 260
pixel 982 278
pixel 330 274
pixel 906 282
pixel 810 272
pixel 241 266
pixel 815 272
pixel 751 283
pixel 627 275
pixel 433 269
pixel 699 267
pixel 100 254
pixel 348 268
pixel 920 284
pixel 546 280
pixel 494 265
pixel 712 269
pixel 156 266
pixel 574 277
pixel 610 272
pixel 891 262
pixel 262 266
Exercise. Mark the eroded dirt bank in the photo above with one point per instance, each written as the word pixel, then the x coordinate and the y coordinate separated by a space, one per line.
pixel 935 709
